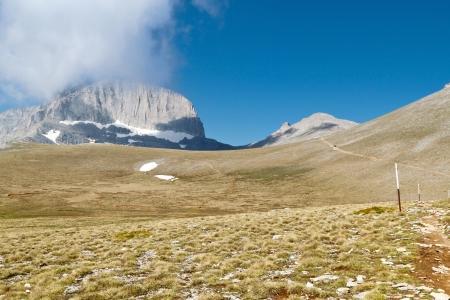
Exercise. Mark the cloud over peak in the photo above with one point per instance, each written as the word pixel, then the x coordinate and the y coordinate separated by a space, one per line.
pixel 48 45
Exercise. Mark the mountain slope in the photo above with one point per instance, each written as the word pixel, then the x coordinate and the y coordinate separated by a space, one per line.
pixel 414 130
pixel 316 125
pixel 117 112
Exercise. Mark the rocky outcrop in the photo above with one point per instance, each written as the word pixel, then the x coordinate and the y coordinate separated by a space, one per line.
pixel 316 125
pixel 109 112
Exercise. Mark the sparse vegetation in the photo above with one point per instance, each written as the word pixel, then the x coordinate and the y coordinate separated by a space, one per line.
pixel 374 210
pixel 276 254
pixel 128 235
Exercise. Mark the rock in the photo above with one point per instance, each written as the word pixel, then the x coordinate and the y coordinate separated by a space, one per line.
pixel 309 285
pixel 441 269
pixel 361 296
pixel 440 296
pixel 27 286
pixel 276 237
pixel 145 258
pixel 110 112
pixel 72 289
pixel 342 291
pixel 325 278
pixel 385 261
pixel 360 279
pixel 351 283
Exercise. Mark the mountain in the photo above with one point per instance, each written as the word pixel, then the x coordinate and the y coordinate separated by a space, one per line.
pixel 351 166
pixel 111 112
pixel 316 125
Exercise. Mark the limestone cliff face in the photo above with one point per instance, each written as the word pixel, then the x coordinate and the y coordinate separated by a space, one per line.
pixel 136 105
pixel 132 105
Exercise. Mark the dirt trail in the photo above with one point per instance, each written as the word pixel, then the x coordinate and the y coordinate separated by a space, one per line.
pixel 374 158
pixel 434 261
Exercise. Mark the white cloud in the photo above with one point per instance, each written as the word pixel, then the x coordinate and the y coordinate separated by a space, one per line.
pixel 212 7
pixel 47 45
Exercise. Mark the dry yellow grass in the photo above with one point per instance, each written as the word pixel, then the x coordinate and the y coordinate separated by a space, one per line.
pixel 243 256
pixel 102 180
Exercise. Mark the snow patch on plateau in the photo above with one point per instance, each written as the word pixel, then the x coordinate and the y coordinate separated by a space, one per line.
pixel 52 135
pixel 148 166
pixel 166 177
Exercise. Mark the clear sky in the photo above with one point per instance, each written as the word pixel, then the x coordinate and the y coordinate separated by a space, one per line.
pixel 259 63
pixel 265 62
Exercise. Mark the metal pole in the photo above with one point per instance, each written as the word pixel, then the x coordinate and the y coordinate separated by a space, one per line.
pixel 398 188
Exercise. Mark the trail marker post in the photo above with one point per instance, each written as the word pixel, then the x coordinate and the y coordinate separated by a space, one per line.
pixel 398 188
pixel 418 190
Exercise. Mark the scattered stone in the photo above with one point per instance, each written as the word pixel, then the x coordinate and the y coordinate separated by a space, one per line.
pixel 360 279
pixel 342 291
pixel 351 283
pixel 401 249
pixel 129 279
pixel 440 296
pixel 145 258
pixel 87 253
pixel 404 286
pixel 72 289
pixel 423 245
pixel 424 288
pixel 325 278
pixel 387 262
pixel 361 296
pixel 401 266
pixel 281 273
pixel 230 296
pixel 441 269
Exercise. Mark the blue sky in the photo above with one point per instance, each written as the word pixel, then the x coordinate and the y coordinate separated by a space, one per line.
pixel 265 62
pixel 260 63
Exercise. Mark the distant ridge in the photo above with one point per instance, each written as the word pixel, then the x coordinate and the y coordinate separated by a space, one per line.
pixel 316 125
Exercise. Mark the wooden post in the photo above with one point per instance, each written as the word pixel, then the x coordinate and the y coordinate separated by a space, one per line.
pixel 398 188
pixel 418 190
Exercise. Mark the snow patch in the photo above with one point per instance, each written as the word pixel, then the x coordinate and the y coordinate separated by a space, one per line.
pixel 52 135
pixel 173 136
pixel 148 166
pixel 166 177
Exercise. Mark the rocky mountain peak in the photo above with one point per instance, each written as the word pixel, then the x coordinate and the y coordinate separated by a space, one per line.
pixel 315 125
pixel 110 112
